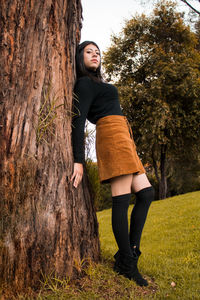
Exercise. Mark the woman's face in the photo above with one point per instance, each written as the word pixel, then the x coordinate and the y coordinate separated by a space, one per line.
pixel 91 57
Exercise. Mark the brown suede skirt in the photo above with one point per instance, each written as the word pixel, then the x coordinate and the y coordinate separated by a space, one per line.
pixel 115 148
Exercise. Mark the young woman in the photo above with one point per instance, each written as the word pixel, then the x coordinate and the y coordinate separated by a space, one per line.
pixel 117 159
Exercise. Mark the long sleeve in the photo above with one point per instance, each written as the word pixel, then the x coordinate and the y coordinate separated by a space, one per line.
pixel 83 97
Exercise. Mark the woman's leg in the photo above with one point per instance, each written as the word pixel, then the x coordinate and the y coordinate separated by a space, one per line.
pixel 121 184
pixel 126 260
pixel 121 195
pixel 144 196
pixel 139 182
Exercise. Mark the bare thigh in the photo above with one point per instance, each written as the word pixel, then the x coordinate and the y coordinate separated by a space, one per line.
pixel 124 184
pixel 121 184
pixel 139 182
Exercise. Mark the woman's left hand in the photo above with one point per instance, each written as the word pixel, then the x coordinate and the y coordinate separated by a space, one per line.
pixel 77 174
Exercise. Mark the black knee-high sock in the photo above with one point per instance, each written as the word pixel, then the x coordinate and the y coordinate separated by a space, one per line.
pixel 139 213
pixel 120 206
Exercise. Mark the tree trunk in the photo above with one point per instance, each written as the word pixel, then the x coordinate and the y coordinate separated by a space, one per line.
pixel 47 226
pixel 155 165
pixel 163 181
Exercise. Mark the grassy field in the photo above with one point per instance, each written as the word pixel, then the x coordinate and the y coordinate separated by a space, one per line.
pixel 170 258
pixel 170 248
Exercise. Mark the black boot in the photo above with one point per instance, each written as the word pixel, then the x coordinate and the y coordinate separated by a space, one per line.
pixel 127 265
pixel 135 251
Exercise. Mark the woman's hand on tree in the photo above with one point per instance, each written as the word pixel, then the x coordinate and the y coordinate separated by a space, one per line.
pixel 77 174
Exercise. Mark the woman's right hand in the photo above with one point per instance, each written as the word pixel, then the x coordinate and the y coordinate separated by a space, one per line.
pixel 77 174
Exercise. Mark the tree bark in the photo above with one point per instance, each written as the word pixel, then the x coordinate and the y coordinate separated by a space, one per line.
pixel 47 226
pixel 155 165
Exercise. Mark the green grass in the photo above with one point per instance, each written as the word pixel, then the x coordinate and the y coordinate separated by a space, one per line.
pixel 170 253
pixel 170 246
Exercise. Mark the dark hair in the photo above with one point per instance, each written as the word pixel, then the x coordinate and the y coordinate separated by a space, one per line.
pixel 81 70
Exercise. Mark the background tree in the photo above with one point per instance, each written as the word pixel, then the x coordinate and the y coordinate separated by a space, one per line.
pixel 197 31
pixel 191 6
pixel 190 3
pixel 101 193
pixel 155 63
pixel 46 224
pixel 184 175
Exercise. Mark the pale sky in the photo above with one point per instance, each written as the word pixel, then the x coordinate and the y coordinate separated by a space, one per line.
pixel 103 17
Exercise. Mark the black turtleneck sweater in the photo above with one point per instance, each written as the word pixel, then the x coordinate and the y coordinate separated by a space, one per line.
pixel 92 100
